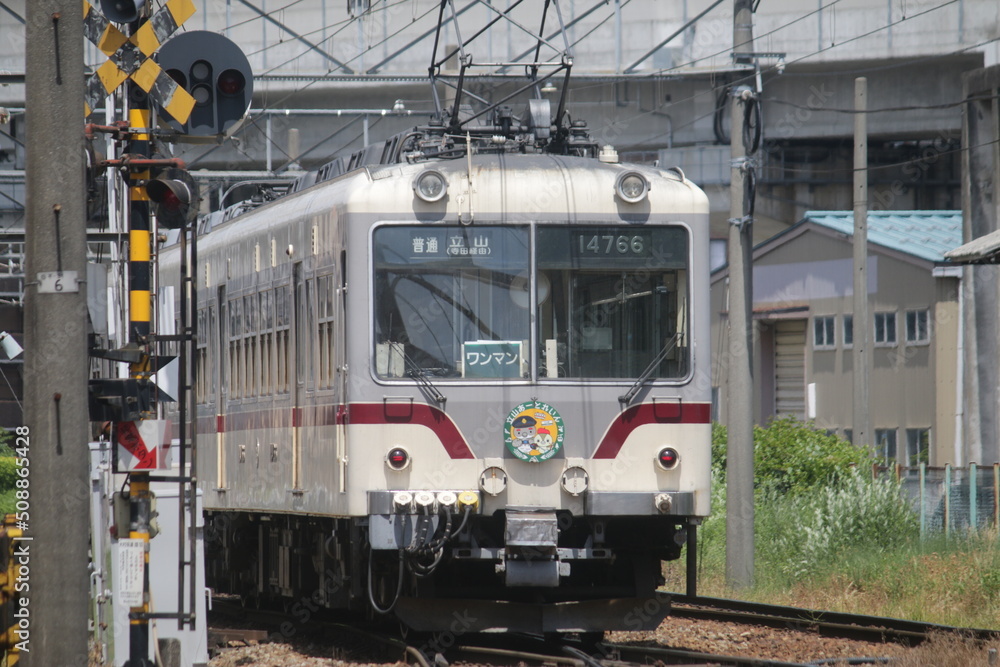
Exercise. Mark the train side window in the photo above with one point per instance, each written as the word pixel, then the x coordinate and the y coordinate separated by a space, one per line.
pixel 305 331
pixel 204 334
pixel 236 370
pixel 201 358
pixel 325 314
pixel 250 343
pixel 282 349
pixel 266 322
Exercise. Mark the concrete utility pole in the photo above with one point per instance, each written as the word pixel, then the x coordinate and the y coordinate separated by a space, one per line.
pixel 739 457
pixel 862 330
pixel 980 284
pixel 55 368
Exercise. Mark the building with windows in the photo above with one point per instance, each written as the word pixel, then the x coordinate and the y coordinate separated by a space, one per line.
pixel 804 330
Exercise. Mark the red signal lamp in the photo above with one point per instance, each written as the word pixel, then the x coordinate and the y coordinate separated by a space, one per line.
pixel 397 458
pixel 668 458
pixel 232 82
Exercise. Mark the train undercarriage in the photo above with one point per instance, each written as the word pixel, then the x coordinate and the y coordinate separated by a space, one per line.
pixel 531 571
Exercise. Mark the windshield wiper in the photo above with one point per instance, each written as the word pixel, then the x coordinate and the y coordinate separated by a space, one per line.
pixel 414 371
pixel 671 343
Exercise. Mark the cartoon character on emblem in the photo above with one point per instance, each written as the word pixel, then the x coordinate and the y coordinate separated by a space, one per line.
pixel 542 441
pixel 534 431
pixel 524 430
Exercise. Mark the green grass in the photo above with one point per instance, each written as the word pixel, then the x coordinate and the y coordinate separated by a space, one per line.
pixel 830 537
pixel 855 548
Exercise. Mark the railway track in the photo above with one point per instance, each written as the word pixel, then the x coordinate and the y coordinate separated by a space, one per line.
pixel 368 645
pixel 826 623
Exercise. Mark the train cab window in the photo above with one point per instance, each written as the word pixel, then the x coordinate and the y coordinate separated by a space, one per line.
pixel 450 302
pixel 612 301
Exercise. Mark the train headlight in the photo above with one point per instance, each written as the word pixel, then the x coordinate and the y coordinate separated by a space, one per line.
pixel 397 458
pixel 430 185
pixel 631 187
pixel 668 458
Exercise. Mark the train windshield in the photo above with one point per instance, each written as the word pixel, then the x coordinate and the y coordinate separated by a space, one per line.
pixel 612 302
pixel 456 302
pixel 447 302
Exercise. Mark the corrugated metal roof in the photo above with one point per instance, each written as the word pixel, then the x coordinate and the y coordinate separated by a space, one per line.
pixel 982 250
pixel 925 234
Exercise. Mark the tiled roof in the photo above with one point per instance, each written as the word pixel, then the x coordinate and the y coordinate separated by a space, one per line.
pixel 925 234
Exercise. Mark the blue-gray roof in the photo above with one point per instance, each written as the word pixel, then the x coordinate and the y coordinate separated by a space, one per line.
pixel 925 234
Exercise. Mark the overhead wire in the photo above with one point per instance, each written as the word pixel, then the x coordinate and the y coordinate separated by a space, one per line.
pixel 713 90
pixel 892 165
pixel 773 69
pixel 388 4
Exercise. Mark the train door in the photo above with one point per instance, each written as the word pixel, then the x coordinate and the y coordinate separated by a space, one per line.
pixel 221 388
pixel 340 365
pixel 300 338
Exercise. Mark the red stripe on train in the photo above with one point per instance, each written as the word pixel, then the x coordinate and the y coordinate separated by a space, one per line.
pixel 413 413
pixel 355 413
pixel 443 426
pixel 649 413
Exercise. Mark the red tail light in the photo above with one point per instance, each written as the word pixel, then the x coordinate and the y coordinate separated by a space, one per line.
pixel 668 458
pixel 397 458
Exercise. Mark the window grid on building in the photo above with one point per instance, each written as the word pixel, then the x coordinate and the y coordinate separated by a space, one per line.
pixel 918 446
pixel 885 444
pixel 885 328
pixel 848 330
pixel 824 332
pixel 917 326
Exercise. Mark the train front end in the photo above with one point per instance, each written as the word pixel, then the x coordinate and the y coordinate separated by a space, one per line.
pixel 531 437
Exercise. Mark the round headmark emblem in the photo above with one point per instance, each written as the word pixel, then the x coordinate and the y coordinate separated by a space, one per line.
pixel 533 431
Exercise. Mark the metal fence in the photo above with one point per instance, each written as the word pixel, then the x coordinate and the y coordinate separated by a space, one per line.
pixel 950 499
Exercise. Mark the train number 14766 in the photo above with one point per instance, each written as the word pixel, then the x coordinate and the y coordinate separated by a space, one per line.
pixel 612 244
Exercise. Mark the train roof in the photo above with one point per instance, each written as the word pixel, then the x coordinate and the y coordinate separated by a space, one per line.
pixel 503 153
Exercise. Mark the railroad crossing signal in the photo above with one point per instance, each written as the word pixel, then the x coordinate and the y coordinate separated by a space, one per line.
pixel 122 11
pixel 129 57
pixel 217 73
pixel 174 194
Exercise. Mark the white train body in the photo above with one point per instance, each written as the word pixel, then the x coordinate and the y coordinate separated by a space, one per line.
pixel 490 396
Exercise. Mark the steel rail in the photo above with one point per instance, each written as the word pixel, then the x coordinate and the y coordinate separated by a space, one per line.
pixel 829 623
pixel 669 656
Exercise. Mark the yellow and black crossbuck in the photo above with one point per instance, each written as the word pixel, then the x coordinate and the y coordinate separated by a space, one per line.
pixel 130 57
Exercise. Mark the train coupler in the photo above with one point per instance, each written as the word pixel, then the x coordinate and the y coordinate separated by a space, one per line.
pixel 531 556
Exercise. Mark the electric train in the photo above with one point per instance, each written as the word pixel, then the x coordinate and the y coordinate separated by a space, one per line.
pixel 461 378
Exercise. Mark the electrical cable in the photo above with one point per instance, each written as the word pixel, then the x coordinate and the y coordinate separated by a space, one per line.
pixel 771 32
pixel 720 112
pixel 751 125
pixel 12 392
pixel 371 592
pixel 913 107
pixel 750 76
pixel 893 165
pixel 749 192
